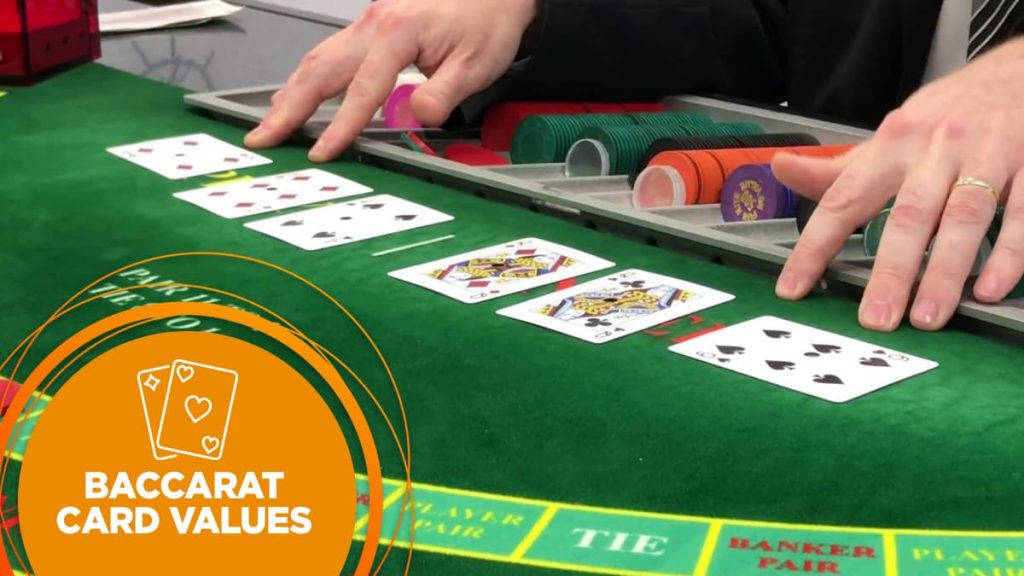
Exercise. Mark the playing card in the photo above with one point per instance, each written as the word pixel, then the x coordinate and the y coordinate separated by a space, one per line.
pixel 277 192
pixel 197 412
pixel 507 268
pixel 616 305
pixel 186 156
pixel 153 391
pixel 348 222
pixel 802 358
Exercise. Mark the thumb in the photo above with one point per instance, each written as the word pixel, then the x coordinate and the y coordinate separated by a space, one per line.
pixel 434 101
pixel 808 176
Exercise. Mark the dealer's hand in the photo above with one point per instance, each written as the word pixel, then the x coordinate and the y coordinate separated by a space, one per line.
pixel 462 46
pixel 967 125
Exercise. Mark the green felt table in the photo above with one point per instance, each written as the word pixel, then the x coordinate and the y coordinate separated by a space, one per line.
pixel 501 407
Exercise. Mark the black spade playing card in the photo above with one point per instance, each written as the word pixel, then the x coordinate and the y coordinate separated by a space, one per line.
pixel 338 224
pixel 802 358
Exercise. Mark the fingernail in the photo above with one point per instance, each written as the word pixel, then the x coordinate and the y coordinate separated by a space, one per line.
pixel 926 312
pixel 789 285
pixel 876 314
pixel 318 153
pixel 987 287
pixel 256 131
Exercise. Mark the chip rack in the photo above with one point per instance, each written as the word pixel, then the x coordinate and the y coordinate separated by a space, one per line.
pixel 605 202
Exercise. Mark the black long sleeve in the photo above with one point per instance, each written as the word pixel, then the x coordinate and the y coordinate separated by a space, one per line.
pixel 646 49
pixel 618 50
pixel 852 60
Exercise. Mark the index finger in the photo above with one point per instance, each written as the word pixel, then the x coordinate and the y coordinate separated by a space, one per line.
pixel 323 74
pixel 851 200
pixel 370 87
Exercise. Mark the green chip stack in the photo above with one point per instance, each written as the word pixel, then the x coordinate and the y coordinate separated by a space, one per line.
pixel 627 145
pixel 873 238
pixel 545 138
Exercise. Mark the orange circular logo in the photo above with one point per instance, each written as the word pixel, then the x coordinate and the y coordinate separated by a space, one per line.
pixel 187 453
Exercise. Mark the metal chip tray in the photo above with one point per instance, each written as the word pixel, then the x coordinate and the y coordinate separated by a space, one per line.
pixel 606 202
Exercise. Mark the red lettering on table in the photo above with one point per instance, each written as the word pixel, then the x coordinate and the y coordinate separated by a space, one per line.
pixel 739 543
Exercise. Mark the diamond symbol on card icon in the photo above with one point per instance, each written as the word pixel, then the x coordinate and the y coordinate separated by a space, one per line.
pixel 260 185
pixel 218 193
pixel 190 143
pixel 526 252
pixel 231 159
pixel 478 283
pixel 145 150
pixel 328 188
pixel 300 178
pixel 151 382
pixel 287 196
pixel 184 166
pixel 244 205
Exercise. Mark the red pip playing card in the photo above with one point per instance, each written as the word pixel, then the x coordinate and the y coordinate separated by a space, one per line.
pixel 186 156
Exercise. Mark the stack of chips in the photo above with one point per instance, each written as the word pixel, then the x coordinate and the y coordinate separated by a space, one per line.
pixel 872 239
pixel 786 140
pixel 546 138
pixel 620 149
pixel 472 155
pixel 502 119
pixel 752 193
pixel 678 178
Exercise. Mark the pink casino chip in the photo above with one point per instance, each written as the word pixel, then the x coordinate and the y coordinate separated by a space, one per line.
pixel 398 109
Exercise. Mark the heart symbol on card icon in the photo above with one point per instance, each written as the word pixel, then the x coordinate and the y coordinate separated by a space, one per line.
pixel 185 373
pixel 197 407
pixel 210 444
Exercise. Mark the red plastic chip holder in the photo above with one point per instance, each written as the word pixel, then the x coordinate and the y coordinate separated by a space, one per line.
pixel 40 36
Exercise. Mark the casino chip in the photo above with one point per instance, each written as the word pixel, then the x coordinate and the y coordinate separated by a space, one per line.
pixel 752 193
pixel 398 113
pixel 873 238
pixel 873 232
pixel 473 155
pixel 804 208
pixel 703 172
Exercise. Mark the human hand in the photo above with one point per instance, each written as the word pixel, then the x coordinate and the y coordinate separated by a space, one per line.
pixel 968 124
pixel 462 46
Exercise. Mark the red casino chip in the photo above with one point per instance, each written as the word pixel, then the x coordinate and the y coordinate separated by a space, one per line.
pixel 473 155
pixel 502 119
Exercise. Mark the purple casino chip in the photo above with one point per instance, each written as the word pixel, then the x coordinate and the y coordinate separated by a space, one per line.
pixel 752 193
